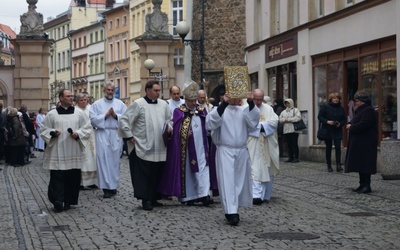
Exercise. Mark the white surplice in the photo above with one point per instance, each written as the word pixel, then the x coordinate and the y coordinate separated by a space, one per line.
pixel 144 122
pixel 89 171
pixel 63 152
pixel 174 104
pixel 264 152
pixel 108 143
pixel 229 133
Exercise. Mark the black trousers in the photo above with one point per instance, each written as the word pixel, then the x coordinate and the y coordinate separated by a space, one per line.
pixel 64 186
pixel 16 155
pixel 293 146
pixel 328 151
pixel 365 179
pixel 145 176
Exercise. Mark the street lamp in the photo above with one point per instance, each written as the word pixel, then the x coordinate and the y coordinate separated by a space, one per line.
pixel 159 76
pixel 183 29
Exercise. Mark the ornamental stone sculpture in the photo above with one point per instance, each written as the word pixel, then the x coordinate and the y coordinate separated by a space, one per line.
pixel 157 23
pixel 31 22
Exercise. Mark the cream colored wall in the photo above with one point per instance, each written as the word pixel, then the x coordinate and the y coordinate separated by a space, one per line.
pixel 138 11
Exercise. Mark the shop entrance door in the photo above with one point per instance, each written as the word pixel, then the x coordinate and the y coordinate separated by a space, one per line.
pixel 350 87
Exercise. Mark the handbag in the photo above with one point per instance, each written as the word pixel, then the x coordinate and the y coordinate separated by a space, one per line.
pixel 300 125
pixel 322 132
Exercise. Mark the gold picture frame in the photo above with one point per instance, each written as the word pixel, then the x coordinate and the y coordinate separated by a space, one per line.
pixel 237 81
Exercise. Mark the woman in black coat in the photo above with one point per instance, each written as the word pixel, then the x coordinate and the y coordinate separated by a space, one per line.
pixel 333 117
pixel 16 143
pixel 363 142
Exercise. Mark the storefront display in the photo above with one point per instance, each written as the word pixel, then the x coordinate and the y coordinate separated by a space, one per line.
pixel 375 67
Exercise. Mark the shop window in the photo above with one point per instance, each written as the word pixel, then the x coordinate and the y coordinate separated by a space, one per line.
pixel 335 77
pixel 388 64
pixel 370 77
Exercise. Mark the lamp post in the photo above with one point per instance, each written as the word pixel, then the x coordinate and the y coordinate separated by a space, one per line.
pixel 159 76
pixel 183 29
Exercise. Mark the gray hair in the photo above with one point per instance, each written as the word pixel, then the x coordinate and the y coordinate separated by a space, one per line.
pixel 81 95
pixel 108 84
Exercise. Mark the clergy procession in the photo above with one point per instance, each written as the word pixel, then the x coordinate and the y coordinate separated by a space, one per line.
pixel 182 149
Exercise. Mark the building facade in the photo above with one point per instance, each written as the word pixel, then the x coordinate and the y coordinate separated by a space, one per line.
pixel 117 50
pixel 6 48
pixel 59 29
pixel 318 47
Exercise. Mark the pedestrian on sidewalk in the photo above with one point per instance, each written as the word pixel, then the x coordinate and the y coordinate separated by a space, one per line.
pixel 333 118
pixel 362 148
pixel 64 130
pixel 287 117
pixel 15 140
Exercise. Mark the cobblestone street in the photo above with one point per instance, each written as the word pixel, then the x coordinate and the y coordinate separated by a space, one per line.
pixel 310 209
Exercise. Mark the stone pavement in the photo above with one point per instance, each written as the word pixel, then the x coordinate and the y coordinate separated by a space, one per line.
pixel 310 209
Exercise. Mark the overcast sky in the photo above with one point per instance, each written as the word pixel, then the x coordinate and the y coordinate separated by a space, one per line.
pixel 11 10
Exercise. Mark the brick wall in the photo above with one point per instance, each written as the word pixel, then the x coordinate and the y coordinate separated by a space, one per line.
pixel 225 36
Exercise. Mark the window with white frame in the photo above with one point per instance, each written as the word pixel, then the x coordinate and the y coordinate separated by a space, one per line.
pixel 348 3
pixel 124 20
pixel 293 15
pixel 51 64
pixel 111 52
pixel 178 56
pixel 116 22
pixel 320 7
pixel 177 14
pixel 110 25
pixel 118 52
pixel 125 49
pixel 58 61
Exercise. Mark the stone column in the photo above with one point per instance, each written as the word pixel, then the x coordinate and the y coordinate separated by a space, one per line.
pixel 31 73
pixel 390 169
pixel 162 52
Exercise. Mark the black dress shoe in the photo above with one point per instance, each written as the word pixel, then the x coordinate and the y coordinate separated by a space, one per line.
pixel 67 206
pixel 295 160
pixel 94 186
pixel 206 201
pixel 107 195
pixel 157 204
pixel 58 206
pixel 234 219
pixel 146 204
pixel 257 201
pixel 289 160
pixel 365 190
pixel 358 189
pixel 190 203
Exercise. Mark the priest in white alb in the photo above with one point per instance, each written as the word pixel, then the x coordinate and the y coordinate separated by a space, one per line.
pixel 264 150
pixel 104 115
pixel 89 170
